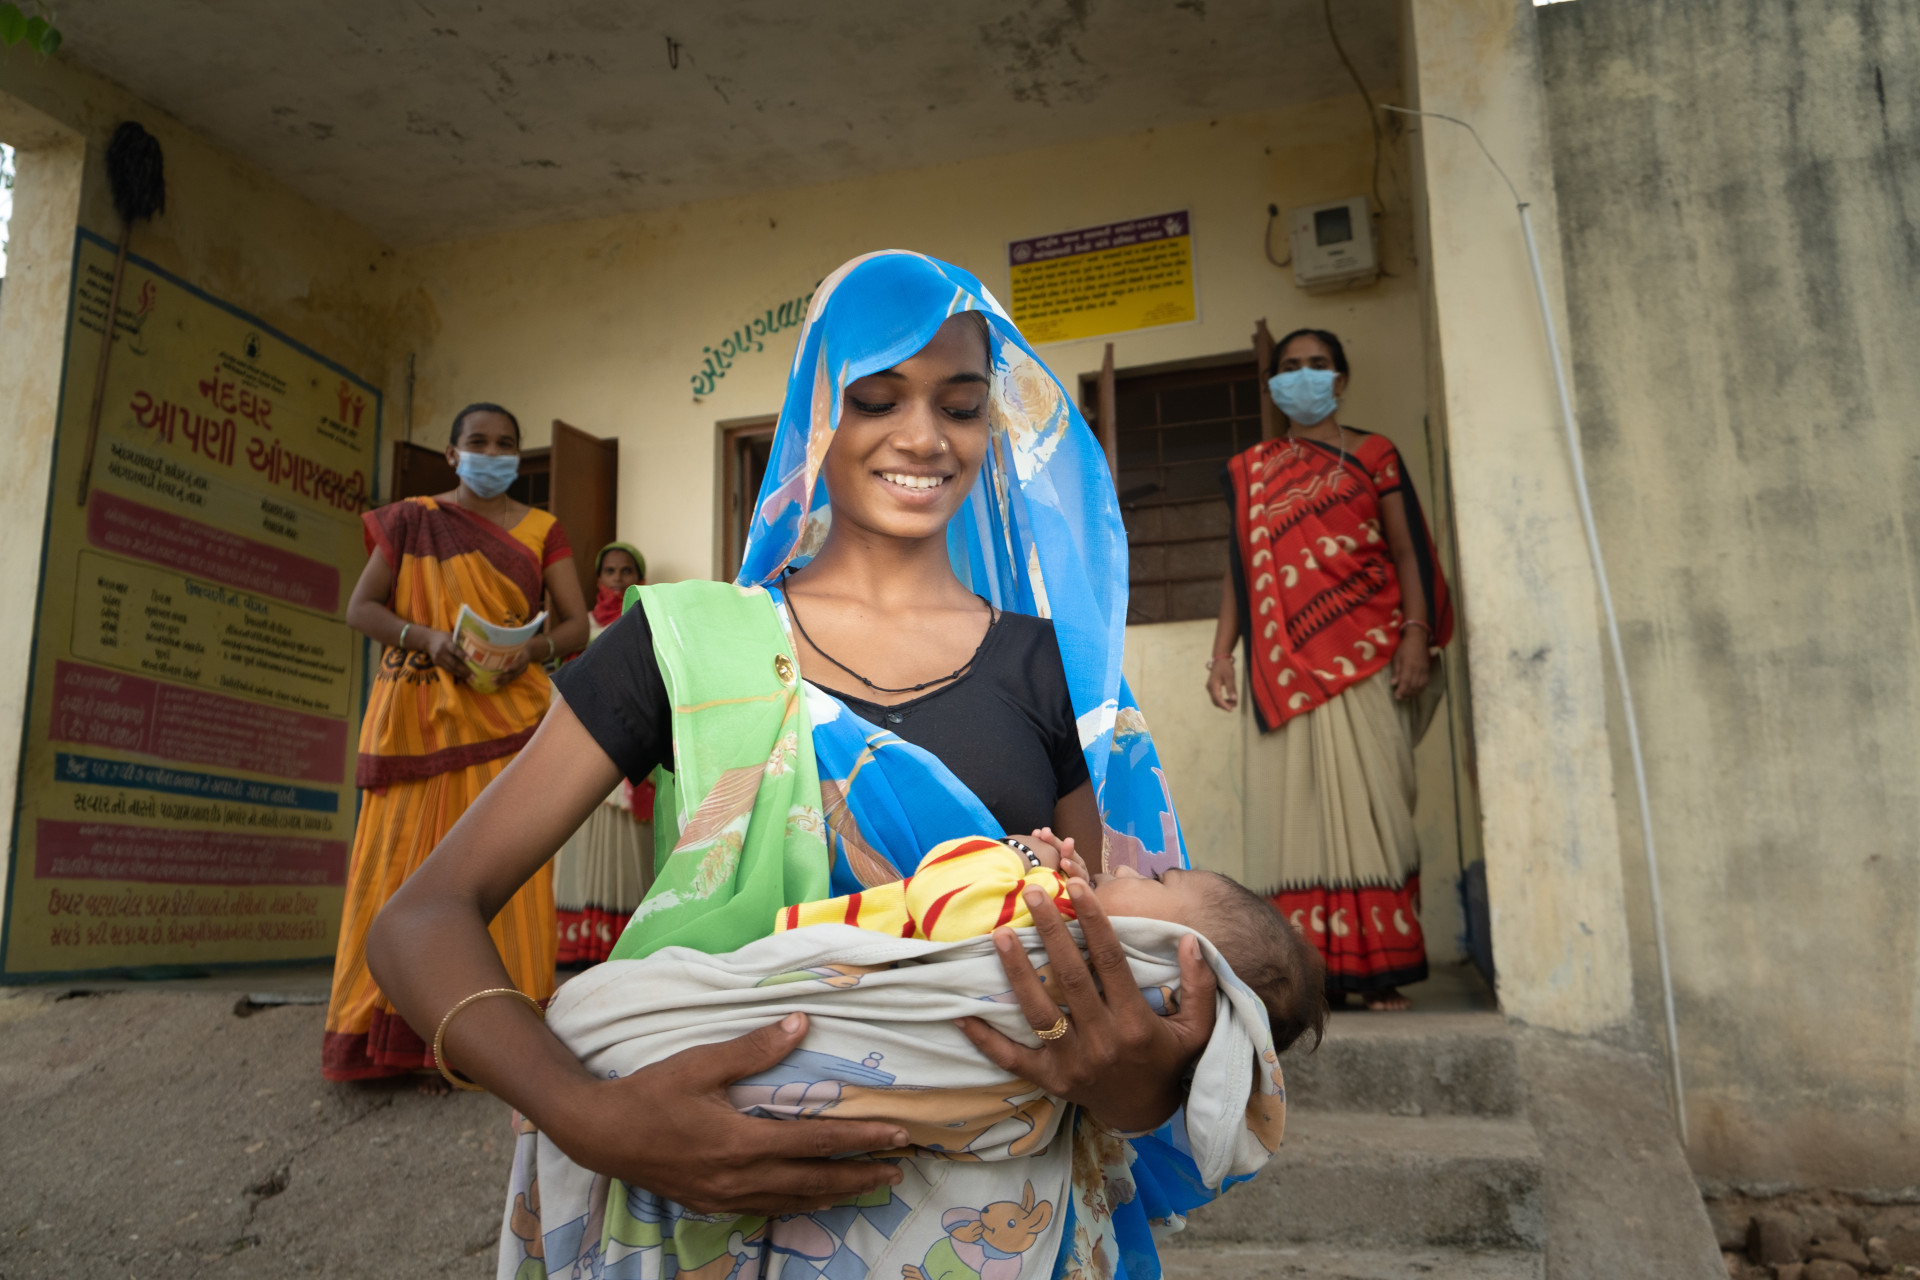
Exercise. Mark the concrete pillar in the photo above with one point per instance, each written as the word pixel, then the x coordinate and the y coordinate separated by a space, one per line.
pixel 1535 638
pixel 50 160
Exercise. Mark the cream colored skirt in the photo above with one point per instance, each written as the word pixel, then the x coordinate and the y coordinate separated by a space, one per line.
pixel 1329 830
pixel 599 877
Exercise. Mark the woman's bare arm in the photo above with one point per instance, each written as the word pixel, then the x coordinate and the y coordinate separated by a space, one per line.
pixel 1411 664
pixel 370 615
pixel 569 630
pixel 1226 634
pixel 1076 817
pixel 668 1127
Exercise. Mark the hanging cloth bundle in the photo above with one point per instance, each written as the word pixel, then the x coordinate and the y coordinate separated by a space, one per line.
pixel 137 178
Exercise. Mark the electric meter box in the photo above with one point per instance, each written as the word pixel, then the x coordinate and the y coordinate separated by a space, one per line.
pixel 1333 245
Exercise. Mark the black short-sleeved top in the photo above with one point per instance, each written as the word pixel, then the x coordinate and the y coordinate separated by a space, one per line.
pixel 1006 728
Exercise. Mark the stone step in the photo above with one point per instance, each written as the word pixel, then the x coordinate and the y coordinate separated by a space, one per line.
pixel 1363 1179
pixel 1334 1262
pixel 1409 1064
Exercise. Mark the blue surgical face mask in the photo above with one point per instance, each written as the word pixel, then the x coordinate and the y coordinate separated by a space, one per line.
pixel 488 474
pixel 1305 395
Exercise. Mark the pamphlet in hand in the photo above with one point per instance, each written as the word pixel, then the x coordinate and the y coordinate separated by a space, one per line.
pixel 489 648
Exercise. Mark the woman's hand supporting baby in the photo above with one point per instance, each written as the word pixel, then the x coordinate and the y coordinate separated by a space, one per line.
pixel 1118 1059
pixel 706 1155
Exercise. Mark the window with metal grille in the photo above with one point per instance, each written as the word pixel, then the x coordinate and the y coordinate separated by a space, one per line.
pixel 1176 429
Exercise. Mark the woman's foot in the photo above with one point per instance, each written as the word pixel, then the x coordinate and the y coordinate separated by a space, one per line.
pixel 433 1084
pixel 1388 1001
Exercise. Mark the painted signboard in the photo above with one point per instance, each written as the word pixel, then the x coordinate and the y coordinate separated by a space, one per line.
pixel 1107 279
pixel 186 784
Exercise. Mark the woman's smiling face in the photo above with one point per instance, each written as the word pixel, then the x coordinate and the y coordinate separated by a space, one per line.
pixel 911 438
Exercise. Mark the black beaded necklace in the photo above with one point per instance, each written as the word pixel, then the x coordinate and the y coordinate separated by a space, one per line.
pixel 992 616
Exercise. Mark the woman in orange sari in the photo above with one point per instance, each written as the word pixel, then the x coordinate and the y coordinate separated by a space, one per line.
pixel 431 741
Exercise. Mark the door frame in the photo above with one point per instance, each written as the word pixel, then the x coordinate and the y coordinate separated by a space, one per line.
pixel 728 526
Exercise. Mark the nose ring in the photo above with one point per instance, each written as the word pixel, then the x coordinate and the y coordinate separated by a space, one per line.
pixel 943 444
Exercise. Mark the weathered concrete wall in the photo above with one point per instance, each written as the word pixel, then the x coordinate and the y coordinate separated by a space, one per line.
pixel 312 273
pixel 1548 825
pixel 1739 195
pixel 603 323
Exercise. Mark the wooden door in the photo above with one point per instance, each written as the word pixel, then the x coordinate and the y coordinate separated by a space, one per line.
pixel 584 480
pixel 420 472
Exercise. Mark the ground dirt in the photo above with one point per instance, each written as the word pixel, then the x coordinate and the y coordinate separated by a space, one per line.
pixel 160 1134
pixel 1815 1235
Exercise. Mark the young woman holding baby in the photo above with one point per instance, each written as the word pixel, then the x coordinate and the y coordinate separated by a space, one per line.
pixel 938 547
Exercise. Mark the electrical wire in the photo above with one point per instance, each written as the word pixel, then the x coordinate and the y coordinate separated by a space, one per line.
pixel 1606 606
pixel 1373 113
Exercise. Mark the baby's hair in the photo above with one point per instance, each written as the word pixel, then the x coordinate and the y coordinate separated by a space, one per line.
pixel 1268 954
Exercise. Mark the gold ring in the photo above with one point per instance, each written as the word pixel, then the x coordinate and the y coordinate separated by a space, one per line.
pixel 1055 1031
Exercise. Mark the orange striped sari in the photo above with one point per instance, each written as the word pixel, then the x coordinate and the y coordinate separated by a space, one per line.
pixel 428 745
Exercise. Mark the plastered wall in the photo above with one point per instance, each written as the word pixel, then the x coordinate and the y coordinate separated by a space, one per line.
pixel 1739 215
pixel 603 324
pixel 308 271
pixel 1545 779
pixel 227 228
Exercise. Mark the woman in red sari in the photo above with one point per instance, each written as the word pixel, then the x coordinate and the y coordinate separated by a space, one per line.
pixel 1335 591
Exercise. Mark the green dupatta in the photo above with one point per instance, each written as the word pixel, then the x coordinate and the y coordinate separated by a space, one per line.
pixel 748 836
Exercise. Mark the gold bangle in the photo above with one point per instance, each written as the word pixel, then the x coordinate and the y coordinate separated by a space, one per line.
pixel 440 1036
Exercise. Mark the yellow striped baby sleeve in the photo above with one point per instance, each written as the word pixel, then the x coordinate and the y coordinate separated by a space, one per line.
pixel 969 887
pixel 881 909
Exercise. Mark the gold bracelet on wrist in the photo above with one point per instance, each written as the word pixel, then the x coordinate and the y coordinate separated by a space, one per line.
pixel 440 1036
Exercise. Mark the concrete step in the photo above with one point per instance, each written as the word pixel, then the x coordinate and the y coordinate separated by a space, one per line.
pixel 1368 1180
pixel 1333 1262
pixel 1409 1064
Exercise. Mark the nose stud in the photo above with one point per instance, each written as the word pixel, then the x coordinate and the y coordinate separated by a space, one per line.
pixel 943 444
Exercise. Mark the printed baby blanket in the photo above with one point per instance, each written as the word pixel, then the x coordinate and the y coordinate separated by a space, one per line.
pixel 989 1191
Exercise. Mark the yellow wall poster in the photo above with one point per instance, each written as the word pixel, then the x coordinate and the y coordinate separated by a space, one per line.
pixel 1099 280
pixel 186 788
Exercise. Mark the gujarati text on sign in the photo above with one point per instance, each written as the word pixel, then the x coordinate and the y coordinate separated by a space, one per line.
pixel 1106 279
pixel 186 793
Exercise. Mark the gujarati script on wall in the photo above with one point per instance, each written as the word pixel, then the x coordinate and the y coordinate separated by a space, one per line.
pixel 1107 279
pixel 186 793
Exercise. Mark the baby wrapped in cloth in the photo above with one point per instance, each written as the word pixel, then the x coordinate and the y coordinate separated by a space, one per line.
pixel 988 1175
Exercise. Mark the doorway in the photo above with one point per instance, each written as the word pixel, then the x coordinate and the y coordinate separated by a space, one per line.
pixel 576 479
pixel 746 448
pixel 1175 426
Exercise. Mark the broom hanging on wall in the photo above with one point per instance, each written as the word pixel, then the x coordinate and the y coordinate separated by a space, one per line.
pixel 139 185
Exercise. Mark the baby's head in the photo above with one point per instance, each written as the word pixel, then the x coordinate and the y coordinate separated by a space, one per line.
pixel 1267 953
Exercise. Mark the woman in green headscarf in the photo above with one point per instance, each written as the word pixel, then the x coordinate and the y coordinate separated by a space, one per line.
pixel 606 867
